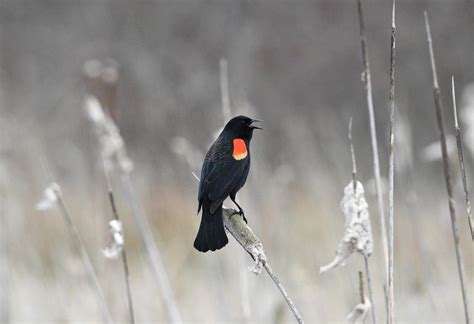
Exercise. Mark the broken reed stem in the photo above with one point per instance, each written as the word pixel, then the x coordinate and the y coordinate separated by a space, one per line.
pixel 249 241
pixel 369 285
pixel 366 259
pixel 461 161
pixel 366 78
pixel 447 174
pixel 391 173
pixel 123 253
pixel 151 249
pixel 106 315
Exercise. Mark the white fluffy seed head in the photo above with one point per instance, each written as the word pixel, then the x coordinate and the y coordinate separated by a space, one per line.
pixel 357 230
pixel 50 197
pixel 114 250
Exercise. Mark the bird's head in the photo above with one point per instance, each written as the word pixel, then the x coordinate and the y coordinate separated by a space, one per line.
pixel 242 126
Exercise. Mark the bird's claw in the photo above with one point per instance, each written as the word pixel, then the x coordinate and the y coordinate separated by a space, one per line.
pixel 241 213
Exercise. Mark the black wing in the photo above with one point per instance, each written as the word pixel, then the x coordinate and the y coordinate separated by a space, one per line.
pixel 221 174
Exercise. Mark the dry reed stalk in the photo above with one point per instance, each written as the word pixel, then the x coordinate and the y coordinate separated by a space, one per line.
pixel 76 238
pixel 366 259
pixel 391 172
pixel 244 235
pixel 113 149
pixel 369 285
pixel 366 78
pixel 359 313
pixel 461 161
pixel 447 174
pixel 123 253
pixel 361 288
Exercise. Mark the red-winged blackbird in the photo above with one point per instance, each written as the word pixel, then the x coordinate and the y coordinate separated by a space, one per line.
pixel 224 171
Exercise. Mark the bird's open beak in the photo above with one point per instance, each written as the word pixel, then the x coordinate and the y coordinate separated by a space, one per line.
pixel 255 121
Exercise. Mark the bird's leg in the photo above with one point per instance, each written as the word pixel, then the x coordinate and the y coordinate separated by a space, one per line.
pixel 241 211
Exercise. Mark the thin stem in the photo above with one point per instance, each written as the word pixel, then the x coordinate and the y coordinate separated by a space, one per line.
pixel 282 289
pixel 244 235
pixel 461 162
pixel 354 165
pixel 107 317
pixel 124 254
pixel 391 306
pixel 369 285
pixel 447 175
pixel 373 135
pixel 361 288
pixel 354 179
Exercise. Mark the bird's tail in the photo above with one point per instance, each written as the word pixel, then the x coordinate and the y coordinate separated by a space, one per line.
pixel 211 234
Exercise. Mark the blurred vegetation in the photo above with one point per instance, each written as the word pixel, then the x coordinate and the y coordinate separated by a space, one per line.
pixel 294 64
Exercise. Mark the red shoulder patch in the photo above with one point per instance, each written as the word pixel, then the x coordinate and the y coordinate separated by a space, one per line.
pixel 240 149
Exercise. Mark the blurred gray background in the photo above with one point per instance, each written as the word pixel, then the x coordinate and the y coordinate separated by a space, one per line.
pixel 294 64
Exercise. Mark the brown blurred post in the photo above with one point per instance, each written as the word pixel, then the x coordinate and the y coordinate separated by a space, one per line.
pixel 101 79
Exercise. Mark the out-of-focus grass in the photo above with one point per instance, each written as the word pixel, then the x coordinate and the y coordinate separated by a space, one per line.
pixel 300 231
pixel 297 67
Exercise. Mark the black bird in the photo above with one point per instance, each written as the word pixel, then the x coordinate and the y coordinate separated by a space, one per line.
pixel 224 171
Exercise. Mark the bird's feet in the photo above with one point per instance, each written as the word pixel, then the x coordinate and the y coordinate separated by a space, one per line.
pixel 241 213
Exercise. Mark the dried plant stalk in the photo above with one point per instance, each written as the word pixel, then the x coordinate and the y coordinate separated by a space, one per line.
pixel 114 152
pixel 461 161
pixel 391 172
pixel 76 238
pixel 366 78
pixel 359 313
pixel 447 174
pixel 123 253
pixel 371 292
pixel 361 288
pixel 244 235
pixel 366 258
